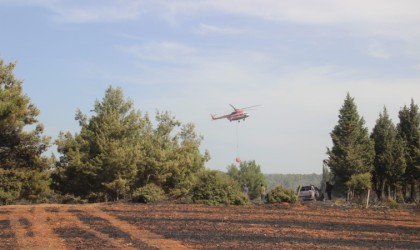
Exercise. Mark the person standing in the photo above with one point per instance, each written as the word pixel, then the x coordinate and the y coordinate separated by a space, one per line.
pixel 262 192
pixel 329 189
pixel 246 190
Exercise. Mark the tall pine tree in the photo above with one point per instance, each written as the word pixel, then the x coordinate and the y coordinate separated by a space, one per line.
pixel 409 130
pixel 352 151
pixel 389 163
pixel 21 149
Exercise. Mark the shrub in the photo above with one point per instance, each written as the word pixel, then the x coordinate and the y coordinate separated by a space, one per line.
pixel 280 194
pixel 392 203
pixel 10 186
pixel 149 193
pixel 215 188
pixel 23 184
pixel 71 199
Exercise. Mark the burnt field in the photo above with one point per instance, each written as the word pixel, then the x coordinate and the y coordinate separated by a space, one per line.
pixel 188 226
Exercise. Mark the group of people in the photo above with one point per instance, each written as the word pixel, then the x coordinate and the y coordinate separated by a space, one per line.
pixel 262 190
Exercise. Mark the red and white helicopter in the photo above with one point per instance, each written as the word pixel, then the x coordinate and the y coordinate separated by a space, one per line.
pixel 237 115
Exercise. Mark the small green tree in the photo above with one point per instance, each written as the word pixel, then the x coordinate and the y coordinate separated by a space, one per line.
pixel 281 194
pixel 249 173
pixel 149 193
pixel 359 184
pixel 215 187
pixel 171 155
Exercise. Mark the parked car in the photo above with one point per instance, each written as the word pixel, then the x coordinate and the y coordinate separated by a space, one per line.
pixel 308 193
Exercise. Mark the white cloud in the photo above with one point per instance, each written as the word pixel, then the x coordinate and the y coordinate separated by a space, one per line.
pixel 389 18
pixel 386 18
pixel 205 29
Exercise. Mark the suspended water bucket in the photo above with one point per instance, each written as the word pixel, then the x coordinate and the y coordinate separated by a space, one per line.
pixel 238 160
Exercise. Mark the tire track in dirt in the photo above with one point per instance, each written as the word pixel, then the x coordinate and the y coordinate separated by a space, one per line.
pixel 152 239
pixel 32 228
pixel 54 227
pixel 80 235
pixel 7 236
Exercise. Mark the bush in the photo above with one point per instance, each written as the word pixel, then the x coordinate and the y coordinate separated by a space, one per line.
pixel 149 193
pixel 392 203
pixel 23 184
pixel 280 194
pixel 71 199
pixel 215 188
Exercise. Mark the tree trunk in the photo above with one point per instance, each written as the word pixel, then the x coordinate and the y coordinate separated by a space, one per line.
pixel 413 191
pixel 404 191
pixel 367 199
pixel 382 188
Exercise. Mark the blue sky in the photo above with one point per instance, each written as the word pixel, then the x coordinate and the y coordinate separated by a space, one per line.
pixel 297 59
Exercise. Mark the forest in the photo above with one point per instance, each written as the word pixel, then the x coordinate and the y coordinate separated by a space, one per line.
pixel 122 153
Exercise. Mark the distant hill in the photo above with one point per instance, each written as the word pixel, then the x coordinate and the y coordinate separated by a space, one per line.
pixel 293 180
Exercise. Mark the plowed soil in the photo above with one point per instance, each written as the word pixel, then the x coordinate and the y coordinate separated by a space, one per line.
pixel 191 226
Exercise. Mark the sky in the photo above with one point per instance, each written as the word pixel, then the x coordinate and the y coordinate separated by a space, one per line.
pixel 297 59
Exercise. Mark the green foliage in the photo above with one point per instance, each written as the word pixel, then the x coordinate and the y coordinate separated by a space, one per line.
pixel 248 173
pixel 360 182
pixel 389 163
pixel 352 152
pixel 70 199
pixel 392 203
pixel 20 147
pixel 215 187
pixel 22 165
pixel 149 193
pixel 409 130
pixel 281 194
pixel 117 189
pixel 10 186
pixel 18 184
pixel 106 150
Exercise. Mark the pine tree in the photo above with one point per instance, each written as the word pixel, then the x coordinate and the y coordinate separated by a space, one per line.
pixel 118 151
pixel 389 163
pixel 21 149
pixel 409 130
pixel 105 152
pixel 352 151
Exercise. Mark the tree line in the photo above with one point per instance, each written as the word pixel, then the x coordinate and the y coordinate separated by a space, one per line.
pixel 119 152
pixel 386 160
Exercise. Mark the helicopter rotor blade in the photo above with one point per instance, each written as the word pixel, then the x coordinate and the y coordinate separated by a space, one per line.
pixel 251 107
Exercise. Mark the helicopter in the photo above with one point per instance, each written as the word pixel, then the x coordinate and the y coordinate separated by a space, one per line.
pixel 238 114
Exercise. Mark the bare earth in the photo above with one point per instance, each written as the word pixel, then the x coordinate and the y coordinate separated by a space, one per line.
pixel 188 226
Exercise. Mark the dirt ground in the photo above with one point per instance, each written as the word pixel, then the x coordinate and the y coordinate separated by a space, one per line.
pixel 314 225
